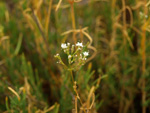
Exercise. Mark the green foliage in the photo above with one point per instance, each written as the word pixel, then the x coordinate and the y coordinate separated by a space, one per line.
pixel 31 33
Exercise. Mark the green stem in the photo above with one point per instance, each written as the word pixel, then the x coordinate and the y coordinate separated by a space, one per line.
pixel 75 90
pixel 72 76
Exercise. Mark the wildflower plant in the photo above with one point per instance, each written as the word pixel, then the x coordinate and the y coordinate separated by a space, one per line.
pixel 77 55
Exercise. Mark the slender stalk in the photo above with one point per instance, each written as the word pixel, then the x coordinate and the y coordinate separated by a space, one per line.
pixel 73 20
pixel 124 20
pixel 76 101
pixel 75 90
pixel 112 42
pixel 41 30
pixel 73 16
pixel 48 17
pixel 72 77
pixel 144 60
pixel 143 69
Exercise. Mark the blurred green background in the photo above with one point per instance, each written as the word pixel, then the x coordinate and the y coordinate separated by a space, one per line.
pixel 30 36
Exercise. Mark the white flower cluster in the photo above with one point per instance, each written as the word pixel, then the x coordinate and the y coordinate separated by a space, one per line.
pixel 76 53
pixel 79 44
pixel 65 46
pixel 85 53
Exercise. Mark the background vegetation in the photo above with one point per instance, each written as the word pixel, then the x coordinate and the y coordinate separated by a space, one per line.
pixel 31 32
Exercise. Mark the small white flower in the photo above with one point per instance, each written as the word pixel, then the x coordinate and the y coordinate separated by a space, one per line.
pixel 63 45
pixel 68 43
pixel 85 53
pixel 79 44
pixel 69 56
pixel 56 55
pixel 85 58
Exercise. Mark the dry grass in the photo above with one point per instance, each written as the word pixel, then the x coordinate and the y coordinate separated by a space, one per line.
pixel 115 77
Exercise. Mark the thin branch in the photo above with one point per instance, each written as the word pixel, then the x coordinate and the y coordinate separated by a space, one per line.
pixel 40 29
